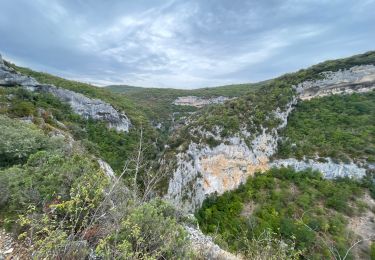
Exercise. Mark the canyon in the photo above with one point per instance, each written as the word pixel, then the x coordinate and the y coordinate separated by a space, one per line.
pixel 203 170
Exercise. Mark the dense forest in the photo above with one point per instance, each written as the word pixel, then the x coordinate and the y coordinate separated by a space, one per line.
pixel 308 212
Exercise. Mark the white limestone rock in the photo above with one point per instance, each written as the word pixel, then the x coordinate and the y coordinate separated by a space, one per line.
pixel 329 169
pixel 107 169
pixel 202 170
pixel 9 77
pixel 199 101
pixel 86 107
pixel 356 79
pixel 205 246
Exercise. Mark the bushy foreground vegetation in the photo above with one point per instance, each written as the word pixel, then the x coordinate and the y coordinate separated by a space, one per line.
pixel 306 211
pixel 340 127
pixel 56 198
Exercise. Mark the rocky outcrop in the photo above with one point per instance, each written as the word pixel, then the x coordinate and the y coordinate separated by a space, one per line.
pixel 329 169
pixel 9 77
pixel 205 247
pixel 198 101
pixel 86 107
pixel 107 169
pixel 356 79
pixel 202 170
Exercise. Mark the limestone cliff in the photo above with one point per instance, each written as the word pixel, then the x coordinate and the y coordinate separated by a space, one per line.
pixel 328 168
pixel 86 107
pixel 356 79
pixel 202 170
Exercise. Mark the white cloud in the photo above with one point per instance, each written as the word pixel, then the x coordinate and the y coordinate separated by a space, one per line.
pixel 181 43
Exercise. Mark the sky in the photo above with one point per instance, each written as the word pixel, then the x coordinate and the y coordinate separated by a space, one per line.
pixel 181 43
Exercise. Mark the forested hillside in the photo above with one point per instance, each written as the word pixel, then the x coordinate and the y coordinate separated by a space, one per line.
pixel 281 169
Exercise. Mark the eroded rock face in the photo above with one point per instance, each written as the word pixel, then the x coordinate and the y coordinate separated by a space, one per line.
pixel 88 107
pixel 356 79
pixel 202 170
pixel 82 105
pixel 329 169
pixel 198 101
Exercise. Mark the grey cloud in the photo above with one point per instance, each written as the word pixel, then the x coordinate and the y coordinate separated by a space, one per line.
pixel 184 44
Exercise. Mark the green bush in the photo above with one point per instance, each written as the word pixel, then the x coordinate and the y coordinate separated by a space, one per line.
pixel 18 140
pixel 148 232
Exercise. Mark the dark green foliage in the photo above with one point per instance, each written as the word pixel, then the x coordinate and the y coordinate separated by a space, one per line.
pixel 291 204
pixel 18 140
pixel 114 147
pixel 340 127
pixel 151 231
pixel 45 177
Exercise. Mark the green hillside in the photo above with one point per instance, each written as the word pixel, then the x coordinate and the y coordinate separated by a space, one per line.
pixel 254 110
pixel 158 102
pixel 55 196
pixel 339 127
pixel 308 212
pixel 110 145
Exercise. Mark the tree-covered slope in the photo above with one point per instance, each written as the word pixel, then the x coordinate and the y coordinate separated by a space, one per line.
pixel 113 146
pixel 158 102
pixel 339 127
pixel 311 214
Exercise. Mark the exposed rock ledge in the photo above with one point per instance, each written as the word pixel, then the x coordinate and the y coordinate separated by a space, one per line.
pixel 207 249
pixel 329 169
pixel 356 79
pixel 82 105
pixel 198 101
pixel 202 170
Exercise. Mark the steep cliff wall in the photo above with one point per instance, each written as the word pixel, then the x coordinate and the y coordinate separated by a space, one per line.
pixel 82 105
pixel 202 170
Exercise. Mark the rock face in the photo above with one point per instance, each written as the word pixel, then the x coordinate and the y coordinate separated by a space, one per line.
pixel 198 101
pixel 356 79
pixel 82 105
pixel 10 248
pixel 206 248
pixel 202 170
pixel 88 107
pixel 329 169
pixel 9 77
pixel 107 169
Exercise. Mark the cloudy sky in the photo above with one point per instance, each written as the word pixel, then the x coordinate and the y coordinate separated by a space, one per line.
pixel 181 43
